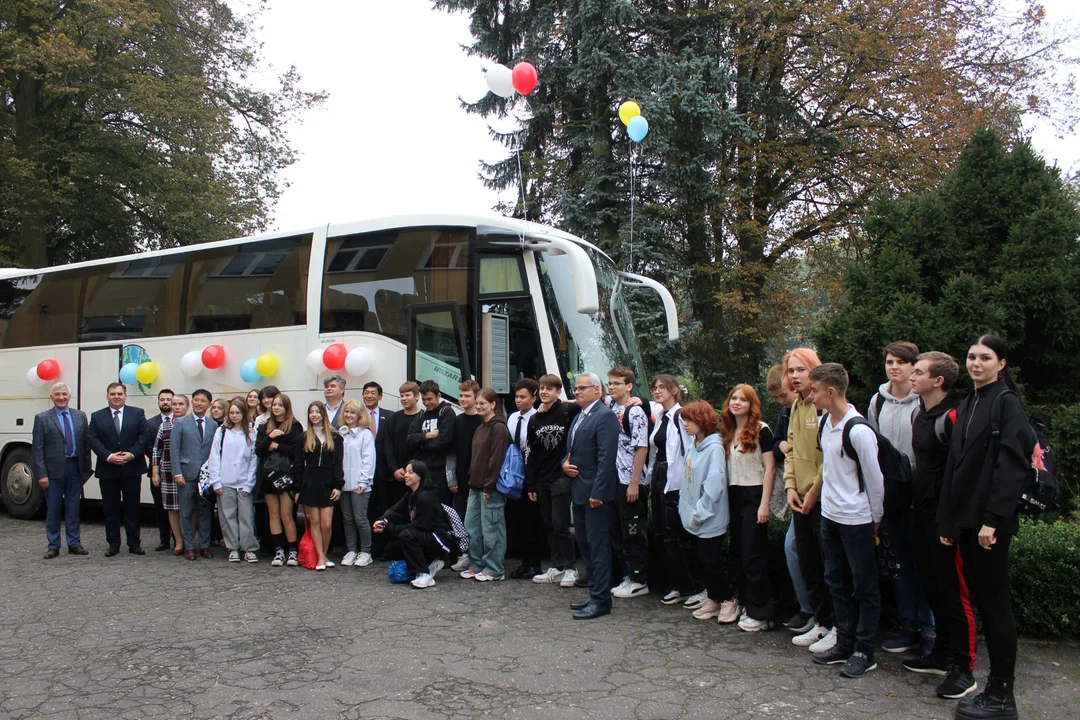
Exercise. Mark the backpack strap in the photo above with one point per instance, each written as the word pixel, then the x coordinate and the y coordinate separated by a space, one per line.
pixel 941 429
pixel 678 429
pixel 877 404
pixel 821 428
pixel 995 425
pixel 848 447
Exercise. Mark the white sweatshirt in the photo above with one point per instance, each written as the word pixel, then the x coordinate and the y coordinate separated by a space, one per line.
pixel 232 465
pixel 359 461
pixel 841 500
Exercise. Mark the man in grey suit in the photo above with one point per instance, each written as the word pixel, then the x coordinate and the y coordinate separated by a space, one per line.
pixel 62 463
pixel 190 444
pixel 592 442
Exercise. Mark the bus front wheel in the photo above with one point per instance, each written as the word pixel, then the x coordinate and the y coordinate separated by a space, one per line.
pixel 22 495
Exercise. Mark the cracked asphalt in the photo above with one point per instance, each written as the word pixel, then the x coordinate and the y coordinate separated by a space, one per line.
pixel 157 636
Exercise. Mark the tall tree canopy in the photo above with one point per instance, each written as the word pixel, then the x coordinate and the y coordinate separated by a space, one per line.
pixel 772 123
pixel 128 124
pixel 995 250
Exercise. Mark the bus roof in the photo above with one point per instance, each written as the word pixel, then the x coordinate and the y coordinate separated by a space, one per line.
pixel 484 223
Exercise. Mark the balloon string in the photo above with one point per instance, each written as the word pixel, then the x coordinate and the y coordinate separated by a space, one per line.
pixel 521 175
pixel 630 145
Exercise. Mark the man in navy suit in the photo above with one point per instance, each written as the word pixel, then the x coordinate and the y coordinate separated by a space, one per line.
pixel 62 463
pixel 118 436
pixel 591 445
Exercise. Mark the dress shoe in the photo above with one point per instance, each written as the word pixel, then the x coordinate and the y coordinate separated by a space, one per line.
pixel 580 604
pixel 136 550
pixel 581 582
pixel 113 550
pixel 78 550
pixel 592 611
pixel 178 550
pixel 190 555
pixel 162 547
pixel 205 552
pixel 51 553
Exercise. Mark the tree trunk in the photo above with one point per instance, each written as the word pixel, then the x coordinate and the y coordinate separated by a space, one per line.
pixel 31 250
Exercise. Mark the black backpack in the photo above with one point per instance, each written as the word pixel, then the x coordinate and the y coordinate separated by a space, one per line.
pixel 1042 488
pixel 649 421
pixel 895 466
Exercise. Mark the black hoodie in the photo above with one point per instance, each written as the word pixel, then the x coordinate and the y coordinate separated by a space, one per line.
pixel 974 493
pixel 931 453
pixel 547 443
pixel 432 452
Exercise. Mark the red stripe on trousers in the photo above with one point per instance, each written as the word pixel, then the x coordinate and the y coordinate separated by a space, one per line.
pixel 969 613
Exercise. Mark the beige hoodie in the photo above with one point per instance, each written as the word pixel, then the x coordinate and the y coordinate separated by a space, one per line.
pixel 803 460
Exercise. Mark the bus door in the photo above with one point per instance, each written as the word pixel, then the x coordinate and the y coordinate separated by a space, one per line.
pixel 436 348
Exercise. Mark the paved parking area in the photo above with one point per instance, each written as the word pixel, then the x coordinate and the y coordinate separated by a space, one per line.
pixel 157 636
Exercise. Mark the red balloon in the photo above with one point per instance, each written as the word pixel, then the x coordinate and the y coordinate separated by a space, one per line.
pixel 48 369
pixel 213 356
pixel 524 78
pixel 333 357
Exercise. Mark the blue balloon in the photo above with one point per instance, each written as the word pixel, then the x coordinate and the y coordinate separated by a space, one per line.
pixel 249 371
pixel 637 128
pixel 127 374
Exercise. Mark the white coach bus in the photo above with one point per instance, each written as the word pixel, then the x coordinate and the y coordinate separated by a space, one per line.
pixel 441 297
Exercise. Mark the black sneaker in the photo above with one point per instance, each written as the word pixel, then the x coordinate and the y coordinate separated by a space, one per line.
pixel 834 656
pixel 858 665
pixel 926 665
pixel 799 623
pixel 996 702
pixel 958 683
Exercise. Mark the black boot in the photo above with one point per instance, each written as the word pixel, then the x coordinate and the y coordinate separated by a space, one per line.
pixel 995 702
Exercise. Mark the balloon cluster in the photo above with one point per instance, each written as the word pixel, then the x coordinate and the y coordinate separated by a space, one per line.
pixel 355 362
pixel 255 369
pixel 42 373
pixel 211 357
pixel 504 82
pixel 144 373
pixel 637 127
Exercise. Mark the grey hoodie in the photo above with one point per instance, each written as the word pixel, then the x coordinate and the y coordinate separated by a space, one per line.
pixel 895 420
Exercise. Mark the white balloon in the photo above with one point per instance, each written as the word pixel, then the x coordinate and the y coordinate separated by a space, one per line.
pixel 191 363
pixel 358 361
pixel 500 80
pixel 32 378
pixel 314 361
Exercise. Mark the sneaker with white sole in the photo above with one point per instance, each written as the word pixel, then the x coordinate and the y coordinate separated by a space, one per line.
pixel 620 586
pixel 363 560
pixel 461 564
pixel 423 580
pixel 549 577
pixel 858 665
pixel 673 597
pixel 469 574
pixel 749 624
pixel 348 560
pixel 279 558
pixel 630 590
pixel 234 556
pixel 435 567
pixel 695 601
pixel 485 577
pixel 568 578
pixel 826 643
pixel 708 610
pixel 810 637
pixel 251 557
pixel 729 612
pixel 293 560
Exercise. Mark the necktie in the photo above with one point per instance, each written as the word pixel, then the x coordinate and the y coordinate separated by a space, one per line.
pixel 573 429
pixel 116 421
pixel 199 421
pixel 517 431
pixel 375 423
pixel 69 436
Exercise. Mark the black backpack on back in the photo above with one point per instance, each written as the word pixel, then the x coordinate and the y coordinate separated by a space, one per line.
pixel 649 421
pixel 1042 489
pixel 895 466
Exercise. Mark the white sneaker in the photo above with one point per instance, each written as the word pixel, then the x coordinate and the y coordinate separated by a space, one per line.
pixel 423 580
pixel 434 567
pixel 363 560
pixel 483 576
pixel 461 564
pixel 234 556
pixel 251 557
pixel 348 560
pixel 568 578
pixel 695 601
pixel 824 644
pixel 810 637
pixel 548 577
pixel 749 624
pixel 620 586
pixel 729 612
pixel 468 574
pixel 672 598
pixel 708 610
pixel 630 590
pixel 329 563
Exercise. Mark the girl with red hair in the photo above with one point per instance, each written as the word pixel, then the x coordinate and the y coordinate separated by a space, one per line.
pixel 750 466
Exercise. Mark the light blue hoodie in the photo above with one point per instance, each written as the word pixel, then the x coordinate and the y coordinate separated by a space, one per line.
pixel 703 499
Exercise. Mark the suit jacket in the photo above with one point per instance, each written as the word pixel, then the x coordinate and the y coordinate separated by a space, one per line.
pixel 50 457
pixel 593 440
pixel 153 425
pixel 381 468
pixel 187 451
pixel 134 438
pixel 337 419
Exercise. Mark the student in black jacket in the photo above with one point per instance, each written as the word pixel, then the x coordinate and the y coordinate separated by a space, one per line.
pixel 319 460
pixel 275 446
pixel 418 527
pixel 978 512
pixel 431 437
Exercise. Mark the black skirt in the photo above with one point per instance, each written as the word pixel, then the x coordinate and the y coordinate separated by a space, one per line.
pixel 318 484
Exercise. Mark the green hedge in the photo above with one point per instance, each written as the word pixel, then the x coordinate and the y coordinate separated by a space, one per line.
pixel 1044 578
pixel 1065 442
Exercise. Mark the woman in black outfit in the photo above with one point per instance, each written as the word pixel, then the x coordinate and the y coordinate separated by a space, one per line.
pixel 418 527
pixel 319 460
pixel 978 511
pixel 277 438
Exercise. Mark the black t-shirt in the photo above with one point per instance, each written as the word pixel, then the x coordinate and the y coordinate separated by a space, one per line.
pixel 464 429
pixel 660 440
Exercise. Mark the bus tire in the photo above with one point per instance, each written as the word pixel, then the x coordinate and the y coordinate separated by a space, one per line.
pixel 22 495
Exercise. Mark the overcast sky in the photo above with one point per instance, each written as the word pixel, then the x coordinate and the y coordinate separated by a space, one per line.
pixel 392 138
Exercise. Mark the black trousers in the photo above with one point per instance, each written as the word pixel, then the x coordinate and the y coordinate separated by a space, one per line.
pixel 749 552
pixel 987 573
pixel 852 576
pixel 629 534
pixel 438 481
pixel 553 496
pixel 711 558
pixel 592 528
pixel 417 548
pixel 808 546
pixel 525 536
pixel 120 499
pixel 161 515
pixel 941 574
pixel 680 548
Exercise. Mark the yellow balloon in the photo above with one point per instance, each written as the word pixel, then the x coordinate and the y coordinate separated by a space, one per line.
pixel 146 373
pixel 267 364
pixel 628 111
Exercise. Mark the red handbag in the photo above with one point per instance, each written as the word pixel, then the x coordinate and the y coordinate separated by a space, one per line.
pixel 308 558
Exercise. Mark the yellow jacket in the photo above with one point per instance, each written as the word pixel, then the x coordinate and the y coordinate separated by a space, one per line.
pixel 802 461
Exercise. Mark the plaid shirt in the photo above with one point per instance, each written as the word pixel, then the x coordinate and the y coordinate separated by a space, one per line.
pixel 162 457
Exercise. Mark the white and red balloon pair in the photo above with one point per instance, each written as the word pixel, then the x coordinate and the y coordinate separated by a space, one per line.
pixel 504 82
pixel 355 362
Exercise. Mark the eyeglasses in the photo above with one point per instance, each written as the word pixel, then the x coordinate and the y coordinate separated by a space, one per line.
pixel 582 388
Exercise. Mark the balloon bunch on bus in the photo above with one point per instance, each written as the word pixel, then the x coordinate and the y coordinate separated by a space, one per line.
pixel 504 82
pixel 43 372
pixel 337 357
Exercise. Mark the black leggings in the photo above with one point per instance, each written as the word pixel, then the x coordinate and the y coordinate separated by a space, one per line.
pixel 987 573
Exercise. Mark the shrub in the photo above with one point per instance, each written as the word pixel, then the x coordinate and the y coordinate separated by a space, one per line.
pixel 1065 441
pixel 1045 569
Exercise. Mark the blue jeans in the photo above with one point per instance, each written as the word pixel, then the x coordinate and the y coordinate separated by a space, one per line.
pixel 190 503
pixel 62 498
pixel 851 573
pixel 911 605
pixel 795 571
pixel 485 522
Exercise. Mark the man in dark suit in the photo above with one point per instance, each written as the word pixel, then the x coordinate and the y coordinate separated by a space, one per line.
pixel 334 397
pixel 164 401
pixel 189 449
pixel 62 463
pixel 383 494
pixel 592 441
pixel 119 437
